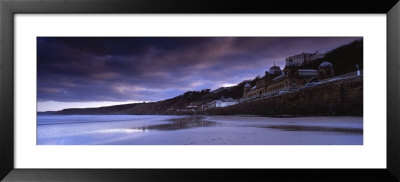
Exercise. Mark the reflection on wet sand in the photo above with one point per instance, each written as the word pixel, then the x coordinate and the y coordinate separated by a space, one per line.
pixel 315 128
pixel 198 130
pixel 181 123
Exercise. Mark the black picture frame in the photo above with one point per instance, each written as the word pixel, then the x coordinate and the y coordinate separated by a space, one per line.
pixel 8 8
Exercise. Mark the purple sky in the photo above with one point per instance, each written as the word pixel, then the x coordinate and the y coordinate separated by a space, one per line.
pixel 84 71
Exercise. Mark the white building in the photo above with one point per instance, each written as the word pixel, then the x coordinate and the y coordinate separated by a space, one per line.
pixel 317 55
pixel 299 59
pixel 222 103
pixel 303 58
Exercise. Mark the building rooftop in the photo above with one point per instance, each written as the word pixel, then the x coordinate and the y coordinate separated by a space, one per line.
pixel 325 64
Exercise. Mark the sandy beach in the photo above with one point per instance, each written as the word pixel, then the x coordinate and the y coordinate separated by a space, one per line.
pixel 197 130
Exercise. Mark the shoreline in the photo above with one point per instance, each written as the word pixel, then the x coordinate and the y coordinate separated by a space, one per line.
pixel 186 114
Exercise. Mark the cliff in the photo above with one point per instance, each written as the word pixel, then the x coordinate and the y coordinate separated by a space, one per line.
pixel 340 97
pixel 343 58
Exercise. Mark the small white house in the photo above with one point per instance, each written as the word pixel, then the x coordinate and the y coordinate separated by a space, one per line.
pixel 222 103
pixel 225 103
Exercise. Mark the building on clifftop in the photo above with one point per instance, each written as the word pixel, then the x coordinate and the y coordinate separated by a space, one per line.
pixel 304 58
pixel 291 77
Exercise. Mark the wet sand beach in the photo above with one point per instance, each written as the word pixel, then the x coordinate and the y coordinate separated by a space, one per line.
pixel 198 130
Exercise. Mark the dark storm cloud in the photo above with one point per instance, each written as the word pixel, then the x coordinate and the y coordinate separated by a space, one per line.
pixel 79 69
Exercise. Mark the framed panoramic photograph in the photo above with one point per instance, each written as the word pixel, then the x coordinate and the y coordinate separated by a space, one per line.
pixel 127 90
pixel 170 93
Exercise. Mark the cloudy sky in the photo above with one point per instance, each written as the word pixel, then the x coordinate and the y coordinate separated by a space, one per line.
pixel 97 71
